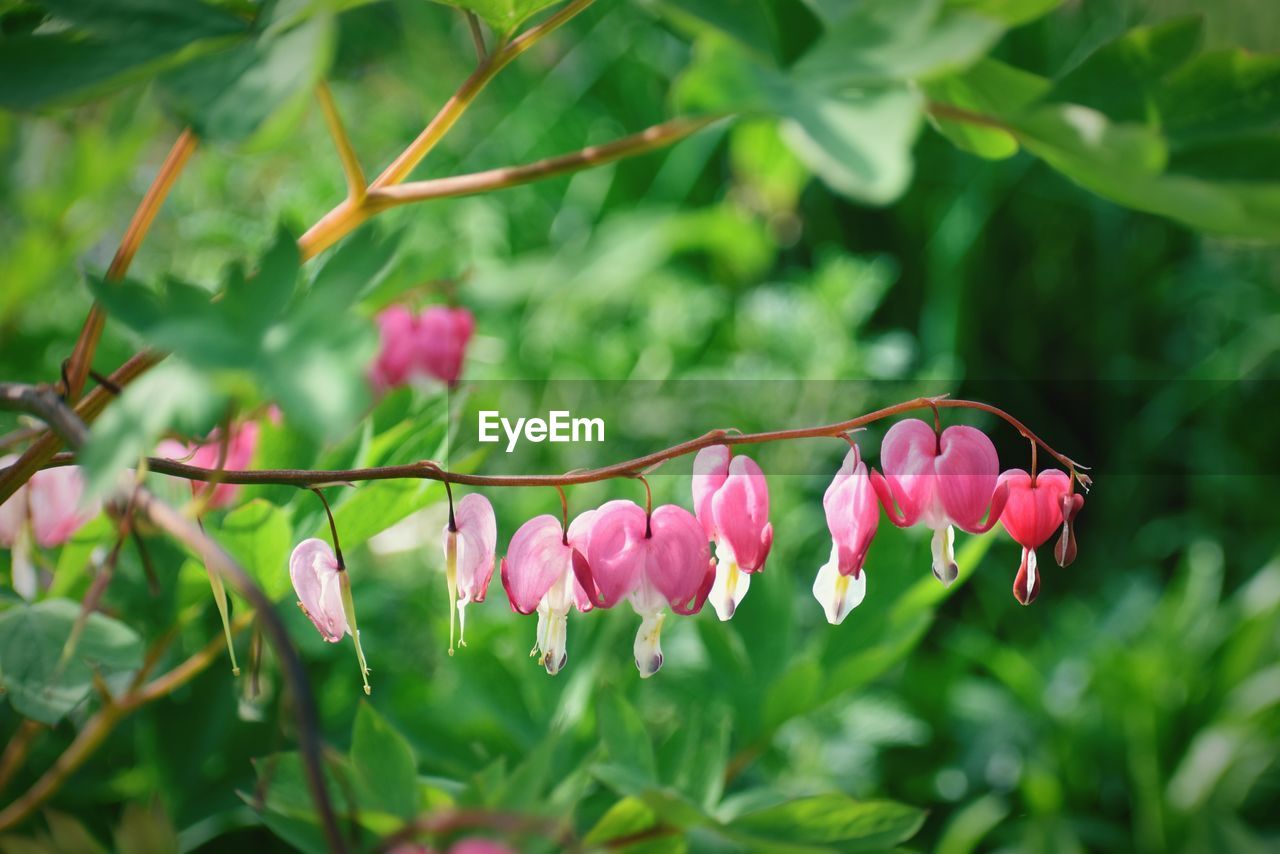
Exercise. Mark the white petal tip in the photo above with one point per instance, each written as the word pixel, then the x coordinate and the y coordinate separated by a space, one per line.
pixel 838 594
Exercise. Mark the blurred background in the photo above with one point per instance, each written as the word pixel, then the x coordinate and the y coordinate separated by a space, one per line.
pixel 1132 707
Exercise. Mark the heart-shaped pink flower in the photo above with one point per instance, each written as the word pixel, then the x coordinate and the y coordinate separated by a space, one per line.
pixel 545 571
pixel 853 515
pixel 731 498
pixel 1032 514
pixel 656 562
pixel 939 480
pixel 470 541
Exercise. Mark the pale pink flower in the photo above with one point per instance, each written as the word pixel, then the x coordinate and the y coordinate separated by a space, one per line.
pixel 470 541
pixel 731 498
pixel 852 518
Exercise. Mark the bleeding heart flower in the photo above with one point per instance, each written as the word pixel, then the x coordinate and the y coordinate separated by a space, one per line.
pixel 655 562
pixel 852 518
pixel 324 594
pixel 470 541
pixel 397 358
pixel 544 571
pixel 731 498
pixel 45 511
pixel 208 453
pixel 443 334
pixel 939 480
pixel 1032 514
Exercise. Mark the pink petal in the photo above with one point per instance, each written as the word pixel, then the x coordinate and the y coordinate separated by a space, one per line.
pixel 584 585
pixel 441 341
pixel 313 569
pixel 613 554
pixel 852 513
pixel 1026 584
pixel 54 497
pixel 741 511
pixel 536 559
pixel 710 469
pixel 1032 514
pixel 677 556
pixel 13 512
pixel 396 359
pixel 907 456
pixel 239 455
pixel 478 529
pixel 967 470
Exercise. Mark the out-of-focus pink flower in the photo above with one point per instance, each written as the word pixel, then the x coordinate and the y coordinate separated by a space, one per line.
pixel 939 480
pixel 656 562
pixel 470 540
pixel 480 845
pixel 430 344
pixel 852 518
pixel 1032 514
pixel 731 498
pixel 544 571
pixel 241 446
pixel 443 335
pixel 49 503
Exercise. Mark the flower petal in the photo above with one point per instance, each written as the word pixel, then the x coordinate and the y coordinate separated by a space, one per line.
pixel 313 569
pixel 710 468
pixel 677 555
pixel 613 551
pixel 967 470
pixel 478 530
pixel 741 511
pixel 907 456
pixel 852 512
pixel 54 497
pixel 836 592
pixel 536 559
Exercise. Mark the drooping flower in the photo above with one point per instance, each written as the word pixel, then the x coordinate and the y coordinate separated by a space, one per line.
pixel 1033 512
pixel 853 515
pixel 470 540
pixel 208 454
pixel 656 562
pixel 731 499
pixel 45 512
pixel 544 571
pixel 324 594
pixel 939 480
pixel 430 344
pixel 443 335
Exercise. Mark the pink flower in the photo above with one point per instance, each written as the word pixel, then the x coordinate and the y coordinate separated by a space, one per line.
pixel 544 571
pixel 470 540
pixel 656 562
pixel 852 518
pixel 443 334
pixel 731 498
pixel 397 360
pixel 1033 512
pixel 49 503
pixel 239 455
pixel 431 344
pixel 939 480
pixel 324 595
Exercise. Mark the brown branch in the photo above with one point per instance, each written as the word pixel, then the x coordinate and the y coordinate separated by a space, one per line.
pixel 428 470
pixel 346 152
pixel 15 752
pixel 477 35
pixel 649 139
pixel 82 354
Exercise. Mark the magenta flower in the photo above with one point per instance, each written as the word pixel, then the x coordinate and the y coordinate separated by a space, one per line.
pixel 324 595
pixel 544 571
pixel 239 455
pixel 939 480
pixel 45 511
pixel 656 562
pixel 853 515
pixel 731 498
pixel 443 335
pixel 1033 512
pixel 431 344
pixel 470 541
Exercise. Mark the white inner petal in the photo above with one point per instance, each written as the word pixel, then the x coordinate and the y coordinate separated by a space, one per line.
pixel 729 588
pixel 648 645
pixel 838 594
pixel 943 547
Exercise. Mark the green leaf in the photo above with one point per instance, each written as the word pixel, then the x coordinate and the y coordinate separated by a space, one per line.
pixel 68 834
pixel 384 763
pixel 172 395
pixel 750 22
pixel 676 809
pixel 228 95
pixel 259 536
pixel 829 820
pixel 32 638
pixel 625 818
pixel 352 271
pixel 145 829
pixel 623 734
pixel 889 41
pixel 107 45
pixel 988 88
pixel 794 694
pixel 504 16
pixel 1011 12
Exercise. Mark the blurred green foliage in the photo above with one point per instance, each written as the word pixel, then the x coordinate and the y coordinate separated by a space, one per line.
pixel 1133 707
